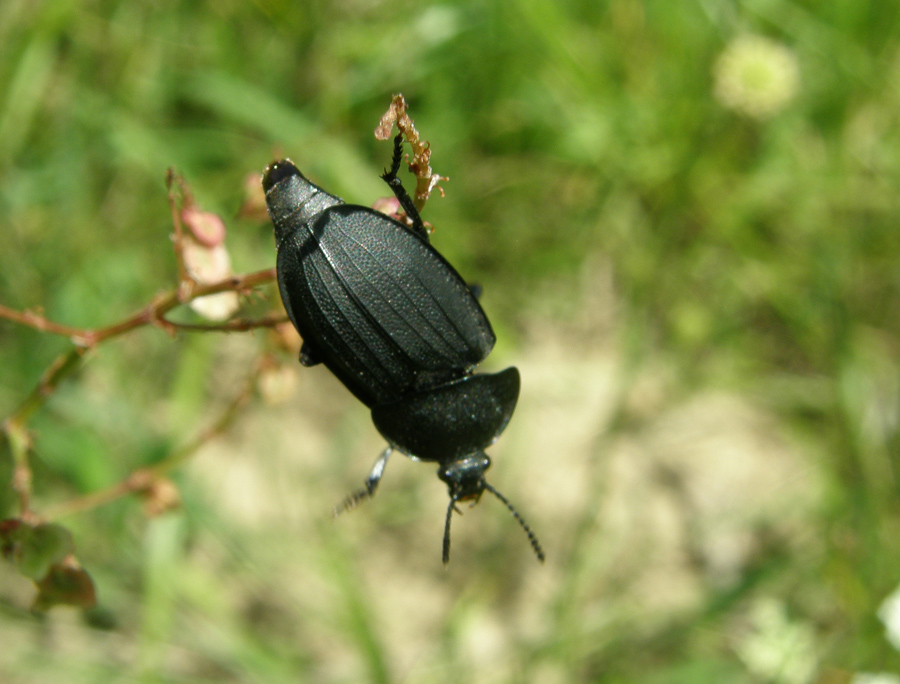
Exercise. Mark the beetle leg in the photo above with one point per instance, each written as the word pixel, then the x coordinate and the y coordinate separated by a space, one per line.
pixel 396 157
pixel 390 177
pixel 372 481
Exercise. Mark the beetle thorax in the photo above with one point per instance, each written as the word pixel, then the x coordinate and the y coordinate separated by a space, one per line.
pixel 293 200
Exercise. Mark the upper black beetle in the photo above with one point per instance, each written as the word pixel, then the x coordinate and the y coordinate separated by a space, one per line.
pixel 386 313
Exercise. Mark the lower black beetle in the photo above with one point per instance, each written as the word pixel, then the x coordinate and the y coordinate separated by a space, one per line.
pixel 386 313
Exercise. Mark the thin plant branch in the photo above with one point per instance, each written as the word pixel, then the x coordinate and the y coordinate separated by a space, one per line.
pixel 152 314
pixel 185 281
pixel 15 425
pixel 86 339
pixel 60 368
pixel 237 325
pixel 35 320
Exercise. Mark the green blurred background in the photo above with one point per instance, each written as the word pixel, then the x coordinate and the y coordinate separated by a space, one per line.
pixel 684 218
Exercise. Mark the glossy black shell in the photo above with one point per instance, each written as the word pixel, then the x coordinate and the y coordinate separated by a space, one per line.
pixel 380 308
pixel 452 421
pixel 373 301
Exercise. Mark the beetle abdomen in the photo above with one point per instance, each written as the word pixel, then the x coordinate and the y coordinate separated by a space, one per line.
pixel 383 310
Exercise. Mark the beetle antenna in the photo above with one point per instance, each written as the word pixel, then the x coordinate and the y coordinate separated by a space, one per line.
pixel 450 507
pixel 535 544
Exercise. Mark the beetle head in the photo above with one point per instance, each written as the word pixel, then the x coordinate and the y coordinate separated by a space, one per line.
pixel 465 482
pixel 465 477
pixel 278 171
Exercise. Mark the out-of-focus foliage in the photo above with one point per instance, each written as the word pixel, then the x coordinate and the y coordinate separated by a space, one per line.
pixel 45 554
pixel 685 219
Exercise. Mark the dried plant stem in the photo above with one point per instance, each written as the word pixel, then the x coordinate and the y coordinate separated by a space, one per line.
pixel 238 325
pixel 152 314
pixel 38 322
pixel 172 179
pixel 86 339
pixel 17 433
pixel 426 179
pixel 60 368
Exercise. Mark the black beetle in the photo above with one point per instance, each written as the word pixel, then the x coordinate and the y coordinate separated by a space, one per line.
pixel 398 326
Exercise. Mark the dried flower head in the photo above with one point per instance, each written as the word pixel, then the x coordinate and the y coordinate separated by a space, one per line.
pixel 207 228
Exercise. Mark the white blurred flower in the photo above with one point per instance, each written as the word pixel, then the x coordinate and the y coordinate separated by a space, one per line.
pixel 210 265
pixel 756 76
pixel 889 614
pixel 875 678
pixel 437 25
pixel 216 307
pixel 778 649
